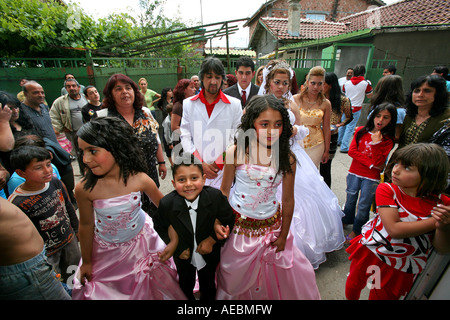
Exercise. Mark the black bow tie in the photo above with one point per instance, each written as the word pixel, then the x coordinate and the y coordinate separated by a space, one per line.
pixel 192 207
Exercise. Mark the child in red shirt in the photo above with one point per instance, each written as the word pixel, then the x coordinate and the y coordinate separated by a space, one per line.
pixel 369 149
pixel 394 245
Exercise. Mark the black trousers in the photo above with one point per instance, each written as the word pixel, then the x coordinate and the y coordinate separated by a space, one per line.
pixel 206 277
pixel 325 168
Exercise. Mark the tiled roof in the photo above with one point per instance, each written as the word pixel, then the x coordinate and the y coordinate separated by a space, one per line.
pixel 309 29
pixel 270 3
pixel 403 13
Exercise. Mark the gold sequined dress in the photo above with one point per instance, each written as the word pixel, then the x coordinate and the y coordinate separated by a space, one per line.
pixel 314 142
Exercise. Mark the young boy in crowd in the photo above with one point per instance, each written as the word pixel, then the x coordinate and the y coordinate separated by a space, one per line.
pixel 202 218
pixel 45 201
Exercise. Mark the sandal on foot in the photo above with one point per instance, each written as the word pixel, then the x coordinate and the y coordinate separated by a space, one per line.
pixel 348 239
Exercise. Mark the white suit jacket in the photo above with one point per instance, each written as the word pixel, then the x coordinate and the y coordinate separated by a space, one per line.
pixel 210 136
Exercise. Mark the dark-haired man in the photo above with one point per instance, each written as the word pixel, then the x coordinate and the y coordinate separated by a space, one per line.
pixel 209 120
pixel 243 90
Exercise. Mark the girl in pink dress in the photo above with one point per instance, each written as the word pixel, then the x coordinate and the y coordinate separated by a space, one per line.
pixel 120 248
pixel 259 260
pixel 412 217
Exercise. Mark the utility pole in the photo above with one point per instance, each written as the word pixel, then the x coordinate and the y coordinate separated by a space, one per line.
pixel 201 12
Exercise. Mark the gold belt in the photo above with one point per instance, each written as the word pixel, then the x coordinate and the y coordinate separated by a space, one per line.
pixel 256 228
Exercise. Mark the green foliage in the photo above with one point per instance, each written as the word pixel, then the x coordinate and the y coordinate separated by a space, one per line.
pixel 31 28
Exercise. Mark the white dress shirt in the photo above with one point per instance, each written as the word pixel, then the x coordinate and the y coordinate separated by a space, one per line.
pixel 197 259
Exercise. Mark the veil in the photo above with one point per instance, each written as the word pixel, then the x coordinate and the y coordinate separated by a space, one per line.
pixel 267 69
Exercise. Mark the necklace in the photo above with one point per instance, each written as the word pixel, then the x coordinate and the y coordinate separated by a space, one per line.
pixel 263 172
pixel 311 103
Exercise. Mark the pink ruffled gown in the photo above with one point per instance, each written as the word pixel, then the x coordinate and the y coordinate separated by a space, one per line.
pixel 249 268
pixel 125 259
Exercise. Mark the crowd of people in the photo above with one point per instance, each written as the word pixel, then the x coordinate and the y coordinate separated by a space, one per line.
pixel 252 215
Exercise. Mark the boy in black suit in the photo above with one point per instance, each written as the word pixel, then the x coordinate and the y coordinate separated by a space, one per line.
pixel 245 71
pixel 202 219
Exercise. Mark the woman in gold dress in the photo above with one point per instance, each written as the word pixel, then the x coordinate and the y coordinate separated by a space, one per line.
pixel 315 113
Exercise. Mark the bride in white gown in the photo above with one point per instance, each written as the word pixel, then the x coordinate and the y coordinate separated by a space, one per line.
pixel 316 223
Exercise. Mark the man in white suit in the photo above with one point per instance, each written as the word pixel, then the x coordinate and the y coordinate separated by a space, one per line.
pixel 209 121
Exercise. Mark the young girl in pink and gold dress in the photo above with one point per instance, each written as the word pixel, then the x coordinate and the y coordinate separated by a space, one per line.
pixel 259 261
pixel 120 248
pixel 316 221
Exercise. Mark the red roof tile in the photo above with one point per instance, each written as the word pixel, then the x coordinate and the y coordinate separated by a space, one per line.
pixel 309 29
pixel 403 13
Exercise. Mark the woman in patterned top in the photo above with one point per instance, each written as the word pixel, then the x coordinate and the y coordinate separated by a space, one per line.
pixel 122 99
pixel 426 109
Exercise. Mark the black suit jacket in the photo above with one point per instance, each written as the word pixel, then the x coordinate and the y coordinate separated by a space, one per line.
pixel 234 92
pixel 173 211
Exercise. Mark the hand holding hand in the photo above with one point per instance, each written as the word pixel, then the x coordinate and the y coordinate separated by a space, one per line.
pixel 441 214
pixel 168 252
pixel 222 232
pixel 210 170
pixel 206 246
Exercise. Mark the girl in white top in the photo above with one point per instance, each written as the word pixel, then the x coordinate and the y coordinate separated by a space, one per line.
pixel 259 260
pixel 316 221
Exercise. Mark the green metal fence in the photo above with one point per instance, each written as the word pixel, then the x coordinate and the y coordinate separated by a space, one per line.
pixel 159 72
pixel 50 72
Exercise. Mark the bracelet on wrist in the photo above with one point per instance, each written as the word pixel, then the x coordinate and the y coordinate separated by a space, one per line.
pixel 161 162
